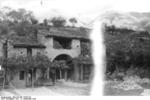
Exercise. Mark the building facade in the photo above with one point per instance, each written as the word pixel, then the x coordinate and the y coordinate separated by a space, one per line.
pixel 58 44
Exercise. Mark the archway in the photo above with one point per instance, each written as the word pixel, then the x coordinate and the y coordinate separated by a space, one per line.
pixel 67 72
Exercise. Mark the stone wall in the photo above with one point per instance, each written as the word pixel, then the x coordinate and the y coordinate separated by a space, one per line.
pixel 38 50
pixel 16 51
pixel 16 82
pixel 52 53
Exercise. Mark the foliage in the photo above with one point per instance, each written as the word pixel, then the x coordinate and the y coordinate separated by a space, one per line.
pixel 5 30
pixel 20 21
pixel 83 59
pixel 20 15
pixel 86 53
pixel 61 64
pixel 37 61
pixel 85 48
pixel 58 21
pixel 17 62
pixel 25 29
pixel 73 21
pixel 45 22
pixel 126 47
pixel 41 61
pixel 34 21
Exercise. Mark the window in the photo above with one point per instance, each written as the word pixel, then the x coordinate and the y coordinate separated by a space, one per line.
pixel 21 76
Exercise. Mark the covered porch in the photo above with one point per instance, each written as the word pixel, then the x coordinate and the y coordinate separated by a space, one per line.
pixel 83 69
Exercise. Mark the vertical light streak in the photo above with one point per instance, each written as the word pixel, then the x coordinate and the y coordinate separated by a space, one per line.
pixel 98 56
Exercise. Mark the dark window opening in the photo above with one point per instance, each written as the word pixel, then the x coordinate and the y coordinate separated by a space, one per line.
pixel 29 51
pixel 62 43
pixel 21 76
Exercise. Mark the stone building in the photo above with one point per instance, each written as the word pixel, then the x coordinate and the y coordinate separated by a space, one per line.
pixel 65 44
pixel 57 44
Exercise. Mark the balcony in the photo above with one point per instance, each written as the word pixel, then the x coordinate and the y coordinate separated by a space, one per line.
pixel 62 43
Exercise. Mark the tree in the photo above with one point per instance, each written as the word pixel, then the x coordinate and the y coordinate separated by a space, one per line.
pixel 5 36
pixel 20 15
pixel 126 47
pixel 45 22
pixel 86 48
pixel 73 21
pixel 34 21
pixel 36 61
pixel 15 63
pixel 58 21
pixel 23 22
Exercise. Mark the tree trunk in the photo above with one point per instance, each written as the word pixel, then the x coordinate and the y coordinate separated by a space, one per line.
pixel 32 80
pixel 91 73
pixel 76 71
pixel 81 74
pixel 48 70
pixel 4 80
pixel 26 78
pixel 5 48
pixel 60 74
pixel 66 74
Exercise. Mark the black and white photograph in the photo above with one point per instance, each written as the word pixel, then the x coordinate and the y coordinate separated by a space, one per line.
pixel 74 48
pixel 127 45
pixel 44 49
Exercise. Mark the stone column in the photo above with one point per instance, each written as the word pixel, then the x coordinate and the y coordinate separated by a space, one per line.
pixel 76 71
pixel 32 76
pixel 48 71
pixel 91 73
pixel 66 74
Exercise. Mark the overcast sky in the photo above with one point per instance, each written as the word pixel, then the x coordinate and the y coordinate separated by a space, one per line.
pixel 85 10
pixel 48 8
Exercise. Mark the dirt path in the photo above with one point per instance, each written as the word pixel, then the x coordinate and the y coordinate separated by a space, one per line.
pixel 60 89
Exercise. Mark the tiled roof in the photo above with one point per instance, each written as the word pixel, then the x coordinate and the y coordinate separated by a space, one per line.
pixel 27 42
pixel 68 32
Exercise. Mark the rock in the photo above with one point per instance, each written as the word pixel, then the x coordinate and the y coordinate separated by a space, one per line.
pixel 128 85
pixel 146 92
pixel 135 79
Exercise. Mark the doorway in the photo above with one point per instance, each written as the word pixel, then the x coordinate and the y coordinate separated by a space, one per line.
pixel 65 71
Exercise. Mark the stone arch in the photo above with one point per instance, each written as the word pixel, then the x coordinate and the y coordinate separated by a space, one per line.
pixel 54 57
pixel 63 57
pixel 69 63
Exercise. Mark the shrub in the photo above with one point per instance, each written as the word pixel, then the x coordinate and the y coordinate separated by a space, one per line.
pixel 17 62
pixel 58 21
pixel 125 48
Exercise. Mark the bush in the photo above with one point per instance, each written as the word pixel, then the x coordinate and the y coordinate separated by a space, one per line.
pixel 22 62
pixel 58 21
pixel 125 48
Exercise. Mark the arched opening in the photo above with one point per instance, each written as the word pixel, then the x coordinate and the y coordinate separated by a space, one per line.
pixel 65 72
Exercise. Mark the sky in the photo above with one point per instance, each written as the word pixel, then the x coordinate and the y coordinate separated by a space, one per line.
pixel 48 8
pixel 84 10
pixel 88 11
